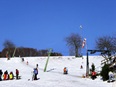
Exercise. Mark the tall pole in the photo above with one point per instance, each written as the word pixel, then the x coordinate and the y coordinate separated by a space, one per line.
pixel 49 52
pixel 87 66
pixel 87 60
pixel 81 37
pixel 14 52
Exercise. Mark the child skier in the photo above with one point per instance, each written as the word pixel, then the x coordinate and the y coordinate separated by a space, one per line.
pixel 11 76
pixel 65 70
pixel 111 76
pixel 6 76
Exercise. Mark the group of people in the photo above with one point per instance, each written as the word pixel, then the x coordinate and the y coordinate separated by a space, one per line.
pixel 8 76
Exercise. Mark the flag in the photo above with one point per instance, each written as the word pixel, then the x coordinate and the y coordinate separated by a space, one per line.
pixel 81 26
pixel 84 42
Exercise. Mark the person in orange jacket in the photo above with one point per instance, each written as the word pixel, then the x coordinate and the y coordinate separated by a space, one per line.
pixel 65 70
pixel 5 76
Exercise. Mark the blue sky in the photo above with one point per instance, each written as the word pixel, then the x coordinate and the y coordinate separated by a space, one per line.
pixel 44 24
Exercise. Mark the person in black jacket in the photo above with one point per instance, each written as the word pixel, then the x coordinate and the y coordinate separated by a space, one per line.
pixel 1 75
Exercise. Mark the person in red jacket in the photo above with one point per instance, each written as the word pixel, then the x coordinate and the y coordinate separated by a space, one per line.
pixel 93 76
pixel 17 74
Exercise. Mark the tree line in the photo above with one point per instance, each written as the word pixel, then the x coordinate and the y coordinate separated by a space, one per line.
pixel 10 50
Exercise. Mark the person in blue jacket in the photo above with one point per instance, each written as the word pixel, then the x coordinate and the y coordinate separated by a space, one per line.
pixel 35 73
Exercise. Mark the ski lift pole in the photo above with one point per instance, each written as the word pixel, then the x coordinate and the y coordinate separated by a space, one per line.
pixel 50 50
pixel 87 66
pixel 14 52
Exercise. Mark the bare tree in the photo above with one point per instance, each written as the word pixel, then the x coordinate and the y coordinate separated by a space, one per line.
pixel 106 43
pixel 8 44
pixel 74 43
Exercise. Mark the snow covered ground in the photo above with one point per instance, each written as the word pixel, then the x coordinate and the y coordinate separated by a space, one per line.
pixel 53 78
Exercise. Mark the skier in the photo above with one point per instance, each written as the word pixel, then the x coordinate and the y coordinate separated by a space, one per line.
pixel 11 76
pixel 17 74
pixel 6 76
pixel 27 62
pixel 111 76
pixel 93 75
pixel 81 67
pixel 35 73
pixel 65 70
pixel 1 75
pixel 22 59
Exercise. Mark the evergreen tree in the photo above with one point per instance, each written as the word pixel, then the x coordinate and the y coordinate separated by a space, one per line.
pixel 92 67
pixel 104 72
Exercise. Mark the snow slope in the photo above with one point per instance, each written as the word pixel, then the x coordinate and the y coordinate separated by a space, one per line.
pixel 53 78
